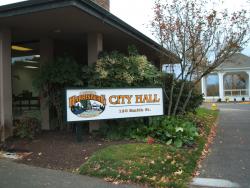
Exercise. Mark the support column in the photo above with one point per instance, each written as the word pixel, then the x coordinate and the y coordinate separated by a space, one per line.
pixel 47 54
pixel 221 85
pixel 6 117
pixel 248 72
pixel 95 46
pixel 204 86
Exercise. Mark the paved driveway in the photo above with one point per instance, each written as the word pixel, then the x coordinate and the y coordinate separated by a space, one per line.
pixel 14 175
pixel 229 161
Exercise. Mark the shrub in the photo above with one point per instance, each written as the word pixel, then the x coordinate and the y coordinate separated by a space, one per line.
pixel 51 81
pixel 118 70
pixel 122 128
pixel 27 127
pixel 167 130
pixel 176 131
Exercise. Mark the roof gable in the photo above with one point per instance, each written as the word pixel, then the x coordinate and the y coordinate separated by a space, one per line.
pixel 237 61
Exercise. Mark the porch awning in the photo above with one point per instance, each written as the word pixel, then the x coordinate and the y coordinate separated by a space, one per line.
pixel 72 20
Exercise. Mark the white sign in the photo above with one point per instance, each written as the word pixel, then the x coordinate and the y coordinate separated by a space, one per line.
pixel 98 104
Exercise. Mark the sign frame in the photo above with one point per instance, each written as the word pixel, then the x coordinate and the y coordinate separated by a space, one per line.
pixel 106 88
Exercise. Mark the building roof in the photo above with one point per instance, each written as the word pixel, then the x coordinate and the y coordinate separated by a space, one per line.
pixel 86 6
pixel 237 61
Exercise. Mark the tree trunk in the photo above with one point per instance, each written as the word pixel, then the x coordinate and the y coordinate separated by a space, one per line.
pixel 187 100
pixel 179 97
pixel 171 98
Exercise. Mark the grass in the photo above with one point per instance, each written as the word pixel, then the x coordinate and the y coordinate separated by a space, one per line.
pixel 204 119
pixel 156 165
pixel 204 113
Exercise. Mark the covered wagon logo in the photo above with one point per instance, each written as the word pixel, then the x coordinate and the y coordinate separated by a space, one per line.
pixel 87 104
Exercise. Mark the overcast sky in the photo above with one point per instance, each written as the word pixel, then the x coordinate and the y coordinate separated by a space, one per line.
pixel 138 13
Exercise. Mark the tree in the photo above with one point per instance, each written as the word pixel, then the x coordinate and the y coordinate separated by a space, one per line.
pixel 202 38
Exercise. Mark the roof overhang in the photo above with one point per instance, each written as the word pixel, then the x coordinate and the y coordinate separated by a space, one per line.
pixel 74 18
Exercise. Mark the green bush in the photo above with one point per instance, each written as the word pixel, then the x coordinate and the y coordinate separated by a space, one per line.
pixel 176 131
pixel 122 128
pixel 52 80
pixel 173 130
pixel 27 127
pixel 118 70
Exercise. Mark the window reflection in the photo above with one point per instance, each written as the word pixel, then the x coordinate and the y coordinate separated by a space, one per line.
pixel 212 83
pixel 235 84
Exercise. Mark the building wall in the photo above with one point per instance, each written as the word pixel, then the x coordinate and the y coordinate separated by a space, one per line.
pixel 103 3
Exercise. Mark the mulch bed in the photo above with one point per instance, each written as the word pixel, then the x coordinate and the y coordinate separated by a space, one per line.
pixel 58 150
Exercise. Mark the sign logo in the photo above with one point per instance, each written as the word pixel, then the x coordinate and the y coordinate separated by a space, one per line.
pixel 87 104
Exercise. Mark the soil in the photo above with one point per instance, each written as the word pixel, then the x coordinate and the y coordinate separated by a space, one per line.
pixel 58 150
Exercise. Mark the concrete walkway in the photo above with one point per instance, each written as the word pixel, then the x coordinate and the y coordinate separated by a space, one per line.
pixel 228 164
pixel 14 175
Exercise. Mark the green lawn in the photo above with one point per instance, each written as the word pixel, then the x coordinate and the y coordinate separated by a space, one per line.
pixel 157 165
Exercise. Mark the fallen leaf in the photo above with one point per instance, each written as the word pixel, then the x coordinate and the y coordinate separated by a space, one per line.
pixel 116 182
pixel 164 179
pixel 153 178
pixel 169 157
pixel 109 179
pixel 173 162
pixel 138 177
pixel 97 167
pixel 179 172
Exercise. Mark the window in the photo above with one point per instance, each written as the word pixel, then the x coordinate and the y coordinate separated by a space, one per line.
pixel 212 83
pixel 235 84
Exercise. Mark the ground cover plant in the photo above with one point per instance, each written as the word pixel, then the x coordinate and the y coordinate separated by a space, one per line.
pixel 166 130
pixel 158 165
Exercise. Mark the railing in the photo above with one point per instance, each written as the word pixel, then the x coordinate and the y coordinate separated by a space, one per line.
pixel 236 92
pixel 27 103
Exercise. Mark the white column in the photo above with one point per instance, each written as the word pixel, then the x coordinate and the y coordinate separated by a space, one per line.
pixel 221 85
pixel 248 72
pixel 95 46
pixel 6 118
pixel 204 86
pixel 46 53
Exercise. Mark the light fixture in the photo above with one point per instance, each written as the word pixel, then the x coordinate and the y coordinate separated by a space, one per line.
pixel 31 67
pixel 57 31
pixel 30 61
pixel 20 48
